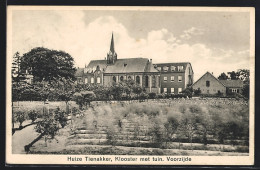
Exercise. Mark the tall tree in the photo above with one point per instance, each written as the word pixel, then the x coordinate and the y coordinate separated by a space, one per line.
pixel 46 64
pixel 18 75
pixel 223 76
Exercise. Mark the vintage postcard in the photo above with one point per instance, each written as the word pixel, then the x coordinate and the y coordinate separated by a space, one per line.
pixel 130 85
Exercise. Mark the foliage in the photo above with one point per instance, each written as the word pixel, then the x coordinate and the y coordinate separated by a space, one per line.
pixel 152 95
pixel 245 91
pixel 223 76
pixel 83 98
pixel 18 75
pixel 19 117
pixel 46 64
pixel 197 91
pixel 33 115
pixel 188 92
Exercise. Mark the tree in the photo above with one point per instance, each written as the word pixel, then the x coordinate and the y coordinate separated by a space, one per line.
pixel 244 75
pixel 49 126
pixel 17 74
pixel 84 98
pixel 223 76
pixel 187 92
pixel 233 75
pixel 48 65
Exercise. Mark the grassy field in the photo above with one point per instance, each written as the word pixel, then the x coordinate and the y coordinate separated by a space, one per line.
pixel 153 127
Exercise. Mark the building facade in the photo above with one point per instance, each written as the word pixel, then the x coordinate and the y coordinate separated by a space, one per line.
pixel 153 77
pixel 209 84
pixel 175 77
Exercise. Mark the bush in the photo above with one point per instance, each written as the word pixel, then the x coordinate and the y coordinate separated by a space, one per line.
pixel 33 115
pixel 152 95
pixel 20 117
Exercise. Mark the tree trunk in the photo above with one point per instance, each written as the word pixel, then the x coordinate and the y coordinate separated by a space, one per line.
pixel 27 147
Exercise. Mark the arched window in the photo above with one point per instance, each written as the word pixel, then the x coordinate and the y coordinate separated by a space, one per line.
pixel 129 78
pixel 98 80
pixel 146 81
pixel 114 78
pixel 86 80
pixel 92 80
pixel 153 81
pixel 121 78
pixel 137 79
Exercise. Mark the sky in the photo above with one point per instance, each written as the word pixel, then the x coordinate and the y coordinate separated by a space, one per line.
pixel 211 41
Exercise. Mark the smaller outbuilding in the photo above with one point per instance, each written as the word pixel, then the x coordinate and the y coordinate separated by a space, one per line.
pixel 209 84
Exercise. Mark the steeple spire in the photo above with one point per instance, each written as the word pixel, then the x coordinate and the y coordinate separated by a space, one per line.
pixel 111 55
pixel 112 48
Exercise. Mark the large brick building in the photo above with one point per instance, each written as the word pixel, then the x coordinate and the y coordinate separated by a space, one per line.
pixel 141 70
pixel 175 77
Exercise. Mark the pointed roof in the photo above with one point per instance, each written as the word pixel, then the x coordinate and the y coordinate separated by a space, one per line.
pixel 210 75
pixel 112 48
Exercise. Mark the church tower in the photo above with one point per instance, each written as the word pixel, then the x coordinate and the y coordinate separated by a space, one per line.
pixel 111 55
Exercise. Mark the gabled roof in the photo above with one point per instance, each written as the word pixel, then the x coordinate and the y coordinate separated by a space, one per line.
pixel 232 83
pixel 184 64
pixel 129 65
pixel 210 75
pixel 79 72
pixel 94 63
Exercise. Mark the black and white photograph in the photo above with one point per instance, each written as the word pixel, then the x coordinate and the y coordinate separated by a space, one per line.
pixel 130 85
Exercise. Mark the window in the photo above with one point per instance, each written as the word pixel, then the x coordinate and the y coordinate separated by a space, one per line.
pixel 146 81
pixel 129 78
pixel 164 78
pixel 137 79
pixel 92 80
pixel 207 83
pixel 121 78
pixel 165 90
pixel 165 68
pixel 179 78
pixel 173 68
pixel 98 80
pixel 172 78
pixel 153 81
pixel 159 68
pixel 180 68
pixel 172 90
pixel 86 80
pixel 114 78
pixel 179 90
pixel 234 90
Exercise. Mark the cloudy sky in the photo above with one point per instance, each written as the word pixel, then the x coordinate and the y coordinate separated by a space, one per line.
pixel 211 41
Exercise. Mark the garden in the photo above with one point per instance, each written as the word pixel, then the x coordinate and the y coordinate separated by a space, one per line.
pixel 154 127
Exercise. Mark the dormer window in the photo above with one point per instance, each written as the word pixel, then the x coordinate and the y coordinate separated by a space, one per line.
pixel 173 68
pixel 165 68
pixel 180 68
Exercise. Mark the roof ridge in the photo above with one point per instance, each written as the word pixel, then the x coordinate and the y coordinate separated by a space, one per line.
pixel 211 75
pixel 174 63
